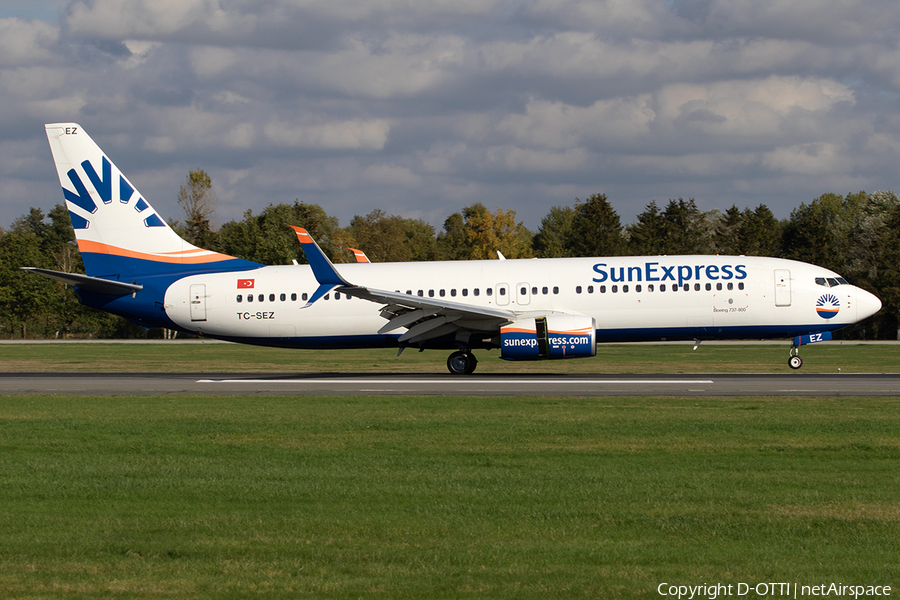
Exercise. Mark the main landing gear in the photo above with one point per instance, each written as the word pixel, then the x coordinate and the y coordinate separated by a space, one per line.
pixel 795 362
pixel 461 363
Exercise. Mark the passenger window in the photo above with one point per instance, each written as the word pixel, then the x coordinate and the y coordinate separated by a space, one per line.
pixel 453 292
pixel 730 286
pixel 465 291
pixel 741 285
pixel 624 289
pixel 696 287
pixel 476 292
pixel 409 292
pixel 240 298
pixel 271 297
pixel 328 296
pixel 662 287
pixel 650 287
pixel 577 289
pixel 615 289
pixel 249 297
pixel 708 287
pixel 602 289
pixel 442 293
pixel 490 291
pixel 261 297
pixel 431 293
pixel 544 290
pixel 420 293
pixel 637 288
pixel 283 297
pixel 523 291
pixel 590 289
pixel 337 295
pixel 718 287
pixel 293 297
pixel 534 291
pixel 555 290
pixel 305 296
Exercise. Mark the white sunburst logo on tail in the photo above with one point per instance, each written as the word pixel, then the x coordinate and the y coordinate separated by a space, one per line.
pixel 828 306
pixel 117 230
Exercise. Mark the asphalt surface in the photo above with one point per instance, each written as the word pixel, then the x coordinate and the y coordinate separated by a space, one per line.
pixel 789 384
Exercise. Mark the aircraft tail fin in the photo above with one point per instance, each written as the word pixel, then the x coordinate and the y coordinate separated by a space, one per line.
pixel 119 234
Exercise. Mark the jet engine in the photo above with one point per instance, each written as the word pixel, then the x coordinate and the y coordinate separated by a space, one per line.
pixel 553 336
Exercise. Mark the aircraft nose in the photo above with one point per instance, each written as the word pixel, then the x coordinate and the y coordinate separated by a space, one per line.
pixel 867 304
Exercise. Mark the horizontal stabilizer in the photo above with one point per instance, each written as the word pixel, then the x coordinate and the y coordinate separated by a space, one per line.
pixel 86 282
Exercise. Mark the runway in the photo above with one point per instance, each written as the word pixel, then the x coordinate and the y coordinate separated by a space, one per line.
pixel 790 384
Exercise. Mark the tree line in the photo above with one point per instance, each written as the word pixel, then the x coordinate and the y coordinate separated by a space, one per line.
pixel 857 236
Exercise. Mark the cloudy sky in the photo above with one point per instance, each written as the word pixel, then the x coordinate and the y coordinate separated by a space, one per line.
pixel 420 108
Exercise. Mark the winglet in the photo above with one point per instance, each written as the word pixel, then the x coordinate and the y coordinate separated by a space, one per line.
pixel 359 255
pixel 324 271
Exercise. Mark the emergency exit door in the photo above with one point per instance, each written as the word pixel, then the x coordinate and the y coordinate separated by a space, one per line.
pixel 198 302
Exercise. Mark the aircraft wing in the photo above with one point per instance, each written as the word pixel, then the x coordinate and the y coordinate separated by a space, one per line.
pixel 424 318
pixel 359 255
pixel 94 284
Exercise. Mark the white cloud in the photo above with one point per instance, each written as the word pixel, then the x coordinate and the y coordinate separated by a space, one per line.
pixel 558 125
pixel 414 106
pixel 353 134
pixel 26 42
pixel 391 175
pixel 147 18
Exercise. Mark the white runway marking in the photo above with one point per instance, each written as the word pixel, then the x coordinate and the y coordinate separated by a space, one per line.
pixel 469 381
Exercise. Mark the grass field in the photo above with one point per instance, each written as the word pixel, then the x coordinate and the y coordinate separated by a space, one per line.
pixel 613 358
pixel 441 497
pixel 438 497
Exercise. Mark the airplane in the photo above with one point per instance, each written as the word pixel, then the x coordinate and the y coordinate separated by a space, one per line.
pixel 529 309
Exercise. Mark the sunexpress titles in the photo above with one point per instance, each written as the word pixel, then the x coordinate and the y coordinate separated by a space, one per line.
pixel 680 274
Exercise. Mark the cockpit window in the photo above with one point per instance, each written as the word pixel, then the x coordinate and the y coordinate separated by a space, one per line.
pixel 831 281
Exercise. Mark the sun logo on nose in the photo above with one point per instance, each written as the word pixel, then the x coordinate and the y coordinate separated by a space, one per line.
pixel 828 306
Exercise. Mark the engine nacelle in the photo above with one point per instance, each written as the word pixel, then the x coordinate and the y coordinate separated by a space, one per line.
pixel 553 336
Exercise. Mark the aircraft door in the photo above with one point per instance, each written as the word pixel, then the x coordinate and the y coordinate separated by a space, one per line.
pixel 502 292
pixel 523 294
pixel 198 302
pixel 782 287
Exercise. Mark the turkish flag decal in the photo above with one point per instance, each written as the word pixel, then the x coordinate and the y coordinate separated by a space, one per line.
pixel 245 284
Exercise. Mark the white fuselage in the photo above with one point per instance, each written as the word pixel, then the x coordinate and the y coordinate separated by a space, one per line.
pixel 631 298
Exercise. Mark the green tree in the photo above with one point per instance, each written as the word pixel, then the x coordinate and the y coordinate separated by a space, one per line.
pixel 268 239
pixel 24 296
pixel 596 228
pixel 816 232
pixel 453 243
pixel 688 229
pixel 886 278
pixel 389 238
pixel 478 234
pixel 198 200
pixel 647 237
pixel 749 232
pixel 554 236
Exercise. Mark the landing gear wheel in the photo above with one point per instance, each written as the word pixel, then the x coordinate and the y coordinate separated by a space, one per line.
pixel 795 361
pixel 461 363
